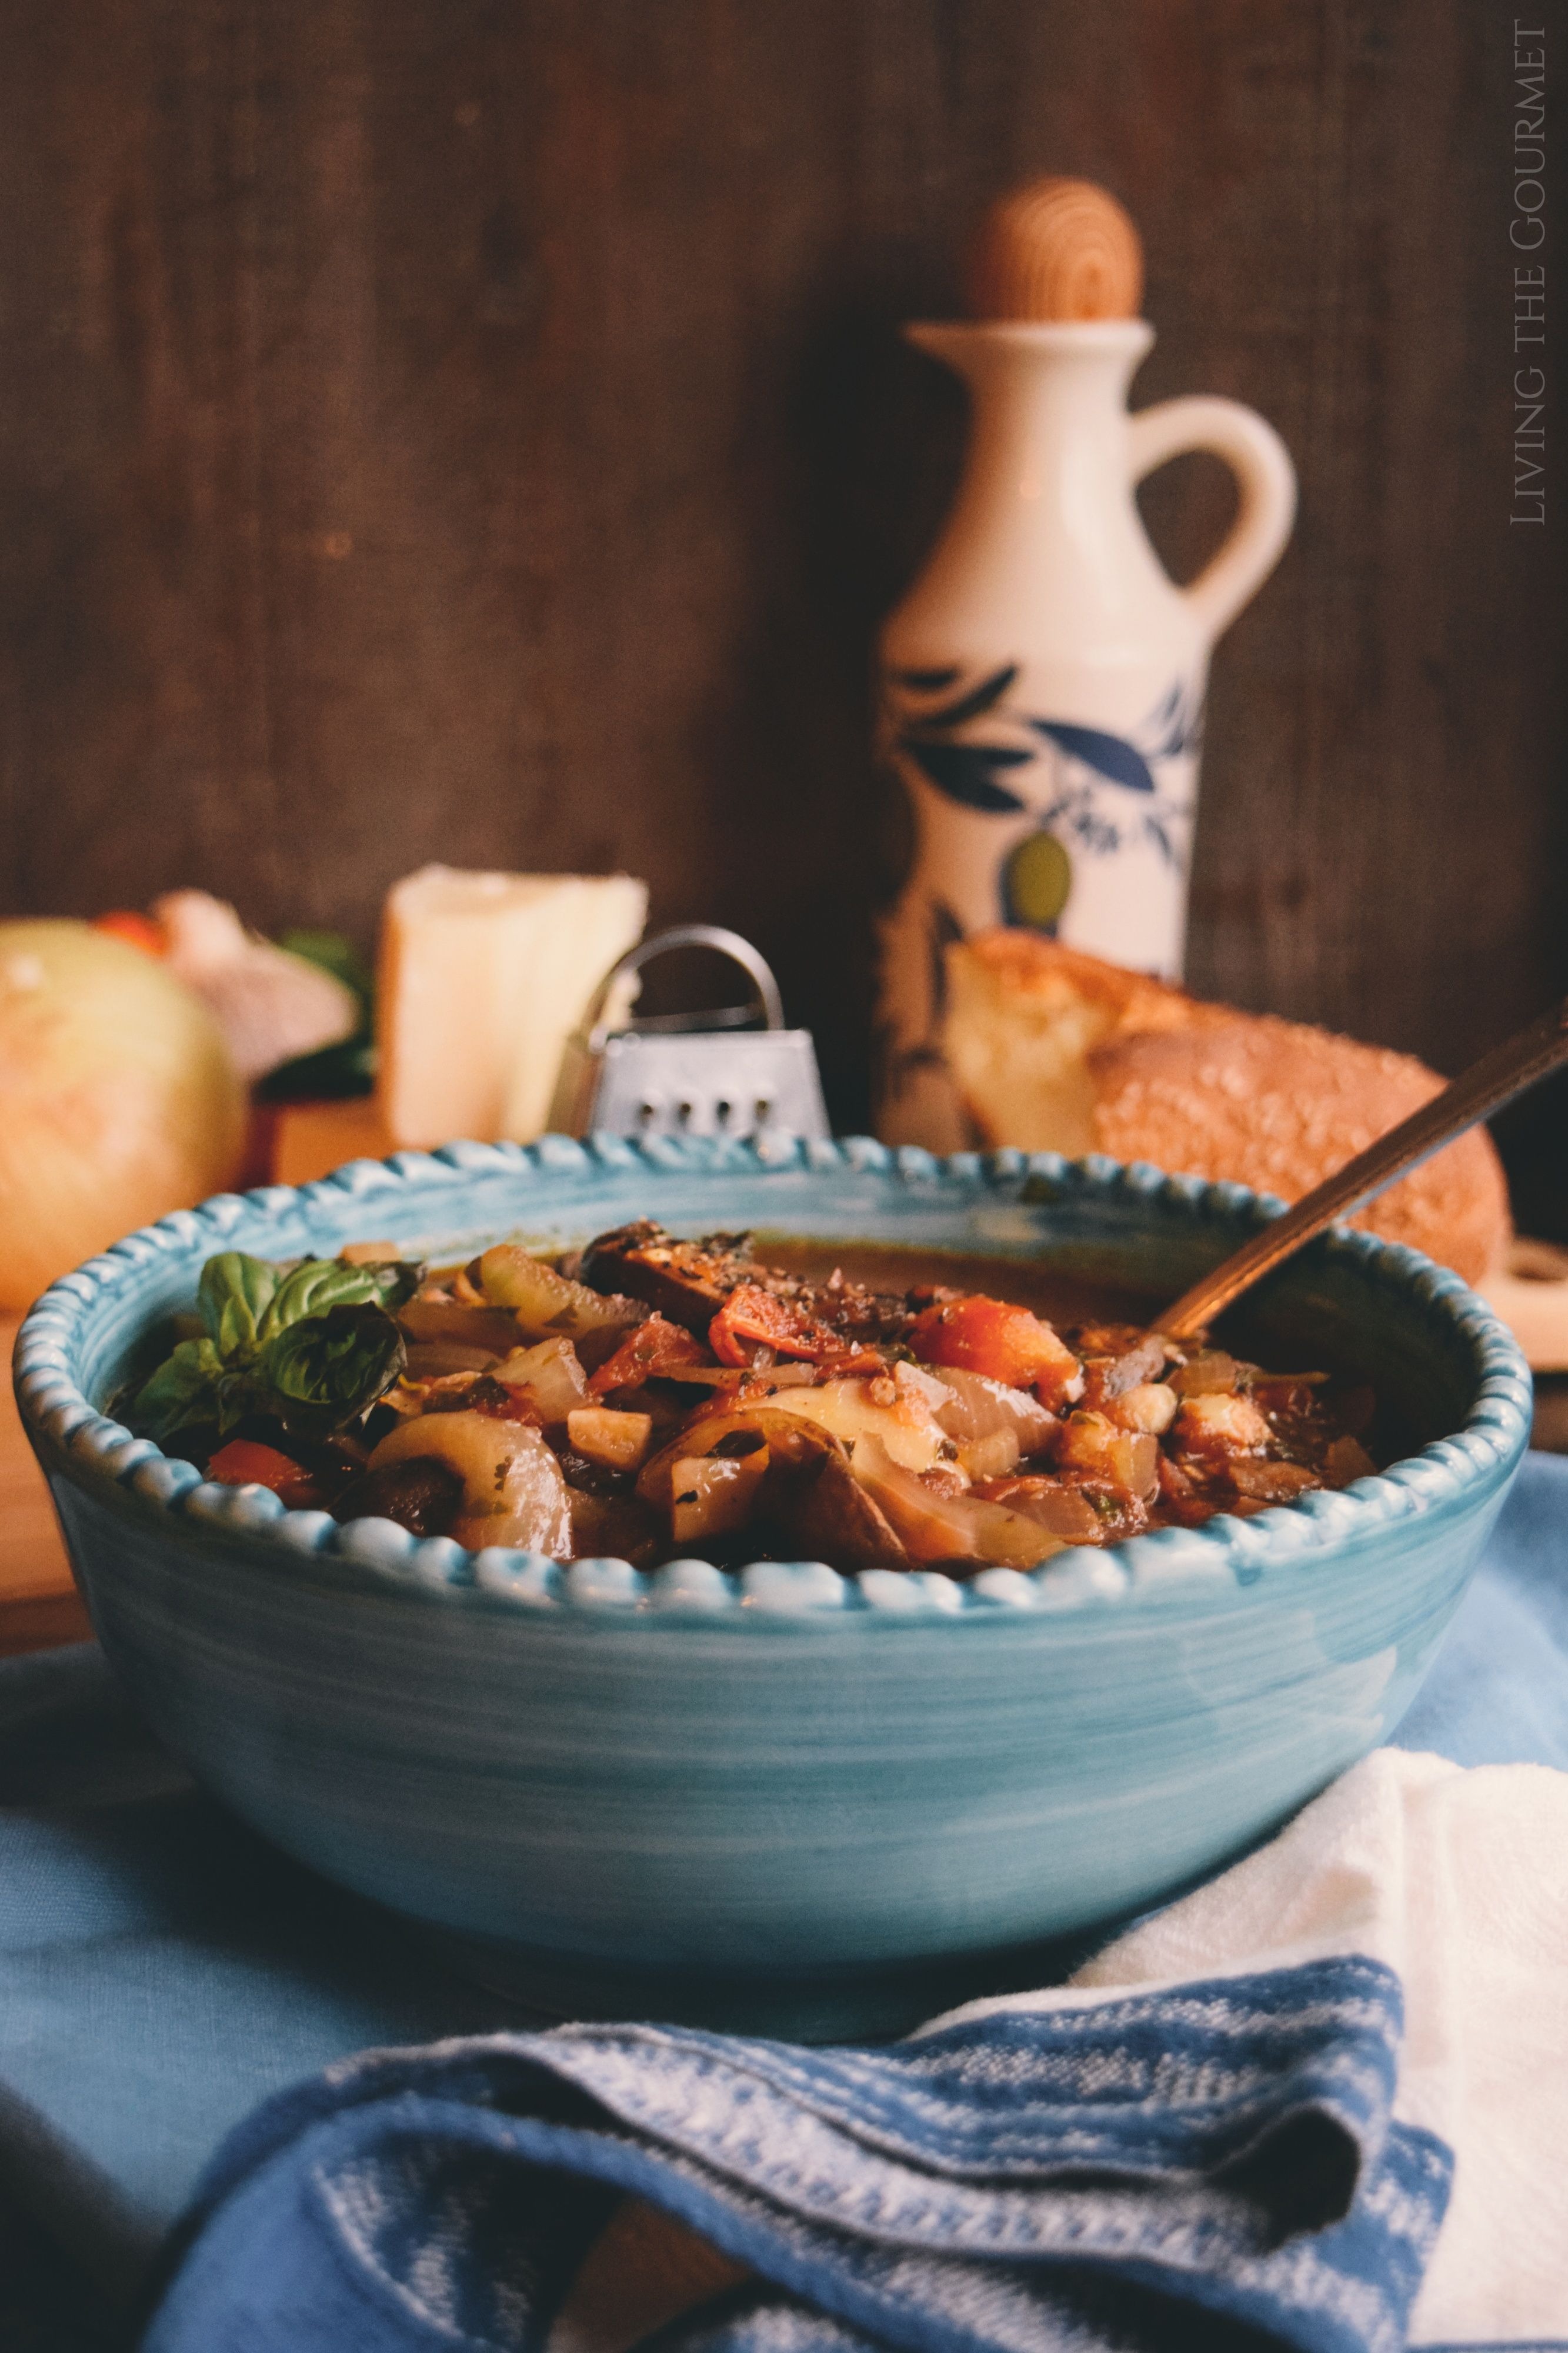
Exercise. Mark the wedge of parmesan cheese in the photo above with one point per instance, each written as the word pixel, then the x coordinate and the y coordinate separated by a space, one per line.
pixel 483 979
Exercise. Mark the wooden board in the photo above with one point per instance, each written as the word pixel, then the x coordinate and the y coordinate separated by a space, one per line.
pixel 39 1602
pixel 482 434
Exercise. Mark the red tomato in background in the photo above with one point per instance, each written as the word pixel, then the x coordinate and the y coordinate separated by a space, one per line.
pixel 138 931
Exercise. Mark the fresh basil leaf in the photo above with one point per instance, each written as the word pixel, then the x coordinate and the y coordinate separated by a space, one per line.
pixel 312 1288
pixel 320 1371
pixel 339 1072
pixel 183 1391
pixel 396 1280
pixel 233 1295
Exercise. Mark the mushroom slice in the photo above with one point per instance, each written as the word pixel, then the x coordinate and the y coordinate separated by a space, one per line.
pixel 1109 1377
pixel 935 1527
pixel 514 1489
pixel 421 1493
pixel 790 1443
pixel 1272 1482
pixel 687 1282
pixel 834 1518
pixel 612 1528
pixel 793 1472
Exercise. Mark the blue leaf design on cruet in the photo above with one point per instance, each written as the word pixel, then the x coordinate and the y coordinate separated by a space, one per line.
pixel 1110 755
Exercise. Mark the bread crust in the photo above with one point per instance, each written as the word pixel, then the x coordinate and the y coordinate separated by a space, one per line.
pixel 1205 1090
pixel 1040 976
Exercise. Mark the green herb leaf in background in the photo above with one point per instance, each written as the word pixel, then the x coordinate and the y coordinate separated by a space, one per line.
pixel 335 955
pixel 334 1073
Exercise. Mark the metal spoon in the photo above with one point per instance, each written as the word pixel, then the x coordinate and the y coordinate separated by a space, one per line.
pixel 1484 1088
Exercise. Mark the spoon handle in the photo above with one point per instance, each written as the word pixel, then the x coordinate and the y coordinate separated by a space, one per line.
pixel 1488 1084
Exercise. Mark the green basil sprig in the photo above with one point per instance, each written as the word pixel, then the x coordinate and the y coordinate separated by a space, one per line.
pixel 313 1346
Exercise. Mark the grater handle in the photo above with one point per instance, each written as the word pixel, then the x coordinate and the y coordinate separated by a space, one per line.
pixel 685 936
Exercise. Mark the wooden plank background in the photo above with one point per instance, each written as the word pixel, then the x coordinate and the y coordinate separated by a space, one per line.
pixel 476 429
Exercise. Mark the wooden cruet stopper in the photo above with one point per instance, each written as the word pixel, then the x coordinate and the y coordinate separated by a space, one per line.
pixel 1056 250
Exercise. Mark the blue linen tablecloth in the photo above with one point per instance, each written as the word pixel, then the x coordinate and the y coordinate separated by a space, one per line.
pixel 163 1970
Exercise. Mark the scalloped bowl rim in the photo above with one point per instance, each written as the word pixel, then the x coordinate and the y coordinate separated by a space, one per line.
pixel 1249 1552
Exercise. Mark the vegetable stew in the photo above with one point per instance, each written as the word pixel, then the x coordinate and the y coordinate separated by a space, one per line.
pixel 648 1398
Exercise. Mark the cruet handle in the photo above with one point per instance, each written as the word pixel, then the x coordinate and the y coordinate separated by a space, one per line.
pixel 1265 477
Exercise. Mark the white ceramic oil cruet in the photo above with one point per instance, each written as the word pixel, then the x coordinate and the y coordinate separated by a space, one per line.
pixel 1043 681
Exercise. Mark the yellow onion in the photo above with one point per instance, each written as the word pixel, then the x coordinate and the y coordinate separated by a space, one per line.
pixel 117 1099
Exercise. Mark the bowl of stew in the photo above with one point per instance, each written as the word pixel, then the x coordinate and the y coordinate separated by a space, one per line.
pixel 789 1589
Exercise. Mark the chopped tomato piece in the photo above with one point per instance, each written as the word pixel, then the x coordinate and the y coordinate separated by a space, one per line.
pixel 244 1462
pixel 138 931
pixel 652 1346
pixel 751 1317
pixel 1006 1344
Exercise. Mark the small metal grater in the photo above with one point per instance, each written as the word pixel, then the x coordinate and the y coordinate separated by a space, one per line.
pixel 688 1073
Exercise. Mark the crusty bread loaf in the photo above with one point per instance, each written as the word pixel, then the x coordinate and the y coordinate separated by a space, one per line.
pixel 1056 1051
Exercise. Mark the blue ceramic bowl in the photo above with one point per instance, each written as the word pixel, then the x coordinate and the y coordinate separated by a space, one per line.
pixel 788 1800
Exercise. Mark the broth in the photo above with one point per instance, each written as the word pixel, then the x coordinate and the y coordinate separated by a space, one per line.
pixel 1047 1291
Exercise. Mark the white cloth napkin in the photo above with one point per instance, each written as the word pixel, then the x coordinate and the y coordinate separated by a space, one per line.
pixel 1458 1881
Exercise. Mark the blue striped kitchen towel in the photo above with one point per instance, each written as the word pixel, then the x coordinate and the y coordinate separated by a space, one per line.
pixel 1216 2165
